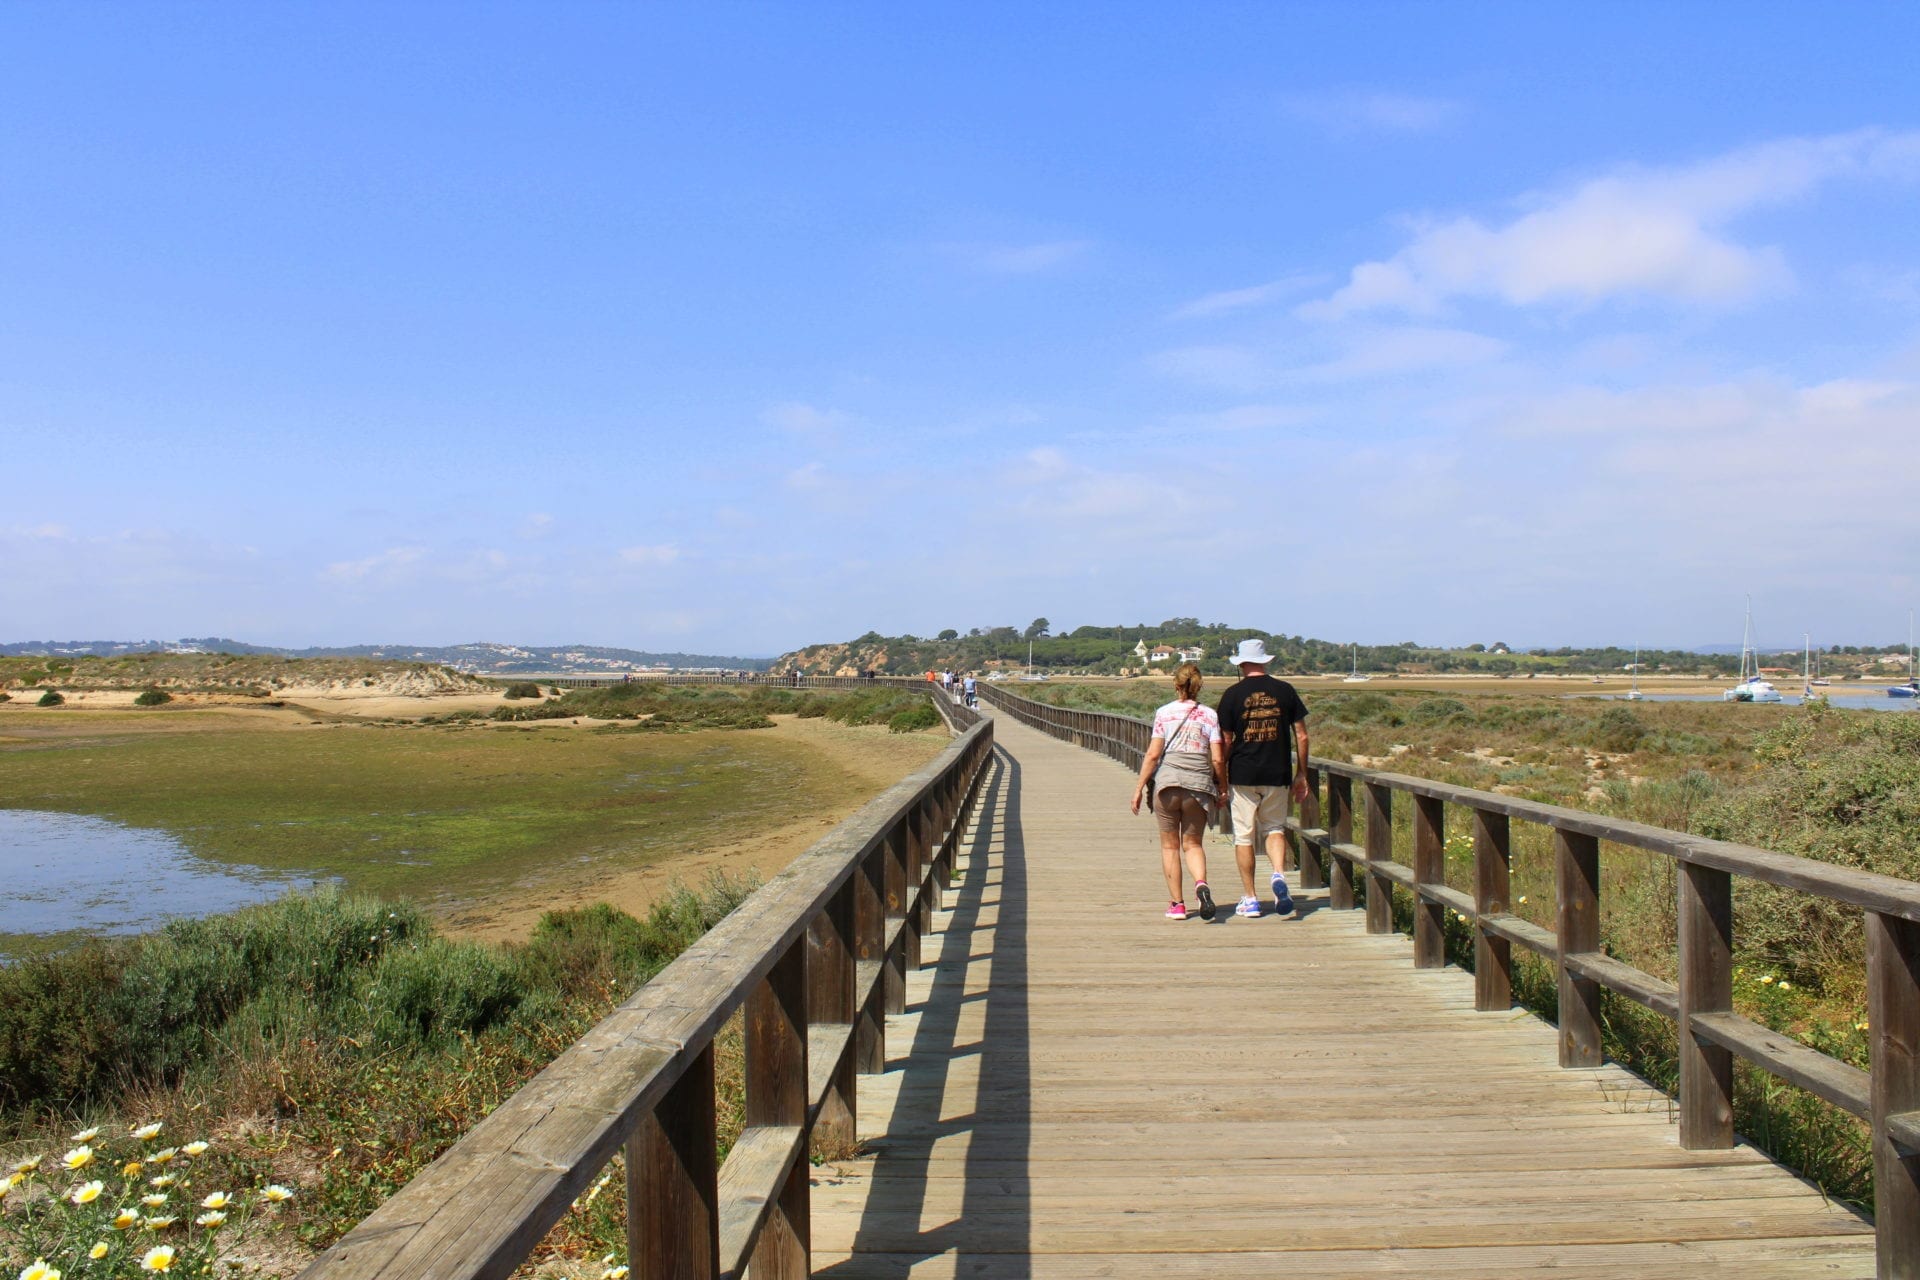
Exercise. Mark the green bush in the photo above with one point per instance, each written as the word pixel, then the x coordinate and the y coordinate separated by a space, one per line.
pixel 1839 789
pixel 919 716
pixel 5 696
pixel 548 710
pixel 522 689
pixel 1440 711
pixel 432 994
pixel 153 698
pixel 51 698
pixel 1618 729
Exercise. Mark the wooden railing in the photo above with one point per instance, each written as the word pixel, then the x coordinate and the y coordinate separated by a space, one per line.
pixel 1711 1034
pixel 754 679
pixel 816 959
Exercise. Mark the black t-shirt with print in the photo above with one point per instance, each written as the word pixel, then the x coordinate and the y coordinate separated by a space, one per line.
pixel 1260 713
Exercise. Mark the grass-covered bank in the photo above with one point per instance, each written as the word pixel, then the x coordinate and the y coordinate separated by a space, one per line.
pixel 1836 785
pixel 328 1043
pixel 458 807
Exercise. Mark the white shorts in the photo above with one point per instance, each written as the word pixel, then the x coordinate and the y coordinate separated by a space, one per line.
pixel 1258 812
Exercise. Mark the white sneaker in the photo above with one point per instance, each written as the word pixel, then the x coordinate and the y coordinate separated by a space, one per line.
pixel 1248 907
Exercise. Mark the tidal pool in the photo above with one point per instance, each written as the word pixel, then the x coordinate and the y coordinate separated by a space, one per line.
pixel 64 873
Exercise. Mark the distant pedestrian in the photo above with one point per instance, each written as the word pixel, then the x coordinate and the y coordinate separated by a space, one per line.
pixel 1262 719
pixel 1186 762
pixel 972 688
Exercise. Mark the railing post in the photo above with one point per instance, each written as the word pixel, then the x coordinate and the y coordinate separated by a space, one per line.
pixel 870 941
pixel 1429 868
pixel 1576 874
pixel 1893 1026
pixel 1379 847
pixel 1706 986
pixel 913 900
pixel 673 1199
pixel 899 847
pixel 830 942
pixel 1313 871
pixel 1492 883
pixel 776 1088
pixel 1340 828
pixel 928 847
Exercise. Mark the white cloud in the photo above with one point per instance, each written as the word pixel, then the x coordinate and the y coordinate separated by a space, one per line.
pixel 1366 353
pixel 385 566
pixel 664 553
pixel 1245 417
pixel 1635 232
pixel 1229 300
pixel 804 419
pixel 1018 259
pixel 1354 112
pixel 807 478
pixel 537 525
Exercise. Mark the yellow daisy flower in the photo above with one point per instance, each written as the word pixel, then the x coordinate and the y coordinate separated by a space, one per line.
pixel 98 1251
pixel 146 1132
pixel 164 1181
pixel 218 1200
pixel 161 1224
pixel 160 1259
pixel 40 1271
pixel 194 1149
pixel 125 1220
pixel 79 1158
pixel 131 1169
pixel 164 1157
pixel 86 1192
pixel 85 1135
pixel 153 1201
pixel 277 1193
pixel 210 1219
pixel 27 1166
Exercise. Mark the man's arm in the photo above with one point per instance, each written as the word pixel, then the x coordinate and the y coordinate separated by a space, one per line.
pixel 1300 791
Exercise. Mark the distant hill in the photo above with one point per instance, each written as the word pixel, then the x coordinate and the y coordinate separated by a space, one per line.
pixel 480 658
pixel 1100 650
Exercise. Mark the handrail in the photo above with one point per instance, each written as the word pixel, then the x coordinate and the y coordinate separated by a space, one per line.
pixel 816 958
pixel 1887 1096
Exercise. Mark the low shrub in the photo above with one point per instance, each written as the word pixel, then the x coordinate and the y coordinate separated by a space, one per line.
pixel 432 994
pixel 548 710
pixel 522 689
pixel 1618 729
pixel 919 716
pixel 153 698
pixel 51 698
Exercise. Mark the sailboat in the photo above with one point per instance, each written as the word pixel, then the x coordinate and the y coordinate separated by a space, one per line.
pixel 1634 694
pixel 1030 675
pixel 1911 689
pixel 1356 677
pixel 1806 671
pixel 1751 687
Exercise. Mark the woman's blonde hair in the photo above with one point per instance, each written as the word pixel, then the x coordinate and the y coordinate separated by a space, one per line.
pixel 1186 680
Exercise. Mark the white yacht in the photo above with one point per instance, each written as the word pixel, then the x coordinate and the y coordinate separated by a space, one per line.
pixel 1355 677
pixel 1751 687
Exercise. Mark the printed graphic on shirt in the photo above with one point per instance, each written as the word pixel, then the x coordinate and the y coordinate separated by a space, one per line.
pixel 1186 726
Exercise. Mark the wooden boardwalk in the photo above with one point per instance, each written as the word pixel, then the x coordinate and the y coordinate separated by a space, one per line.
pixel 1081 1088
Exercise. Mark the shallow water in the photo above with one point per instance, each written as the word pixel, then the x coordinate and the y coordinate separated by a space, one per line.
pixel 64 872
pixel 1849 701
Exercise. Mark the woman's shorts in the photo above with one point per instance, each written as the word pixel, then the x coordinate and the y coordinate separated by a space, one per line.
pixel 1180 810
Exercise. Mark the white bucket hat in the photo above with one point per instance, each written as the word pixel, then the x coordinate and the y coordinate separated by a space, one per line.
pixel 1252 651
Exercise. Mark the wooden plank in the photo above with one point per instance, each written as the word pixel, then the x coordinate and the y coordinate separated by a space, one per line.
pixel 1492 875
pixel 1528 934
pixel 1340 832
pixel 1429 868
pixel 673 1217
pixel 1618 976
pixel 1379 854
pixel 1576 878
pixel 756 1167
pixel 1893 1019
pixel 1844 1086
pixel 1706 986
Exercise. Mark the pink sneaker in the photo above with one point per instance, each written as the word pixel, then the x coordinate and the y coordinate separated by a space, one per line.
pixel 1176 911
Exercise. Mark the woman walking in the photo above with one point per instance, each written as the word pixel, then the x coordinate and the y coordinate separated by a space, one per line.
pixel 1187 763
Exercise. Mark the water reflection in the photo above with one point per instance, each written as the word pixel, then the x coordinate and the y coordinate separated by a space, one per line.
pixel 62 872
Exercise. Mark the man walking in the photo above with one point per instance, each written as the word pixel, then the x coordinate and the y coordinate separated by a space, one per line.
pixel 1260 720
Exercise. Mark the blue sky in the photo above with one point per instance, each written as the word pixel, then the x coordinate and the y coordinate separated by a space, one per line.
pixel 733 328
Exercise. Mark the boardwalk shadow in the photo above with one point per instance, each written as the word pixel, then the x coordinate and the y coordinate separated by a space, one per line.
pixel 908 1216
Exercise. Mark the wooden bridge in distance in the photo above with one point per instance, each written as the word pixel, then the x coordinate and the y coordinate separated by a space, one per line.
pixel 1053 1082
